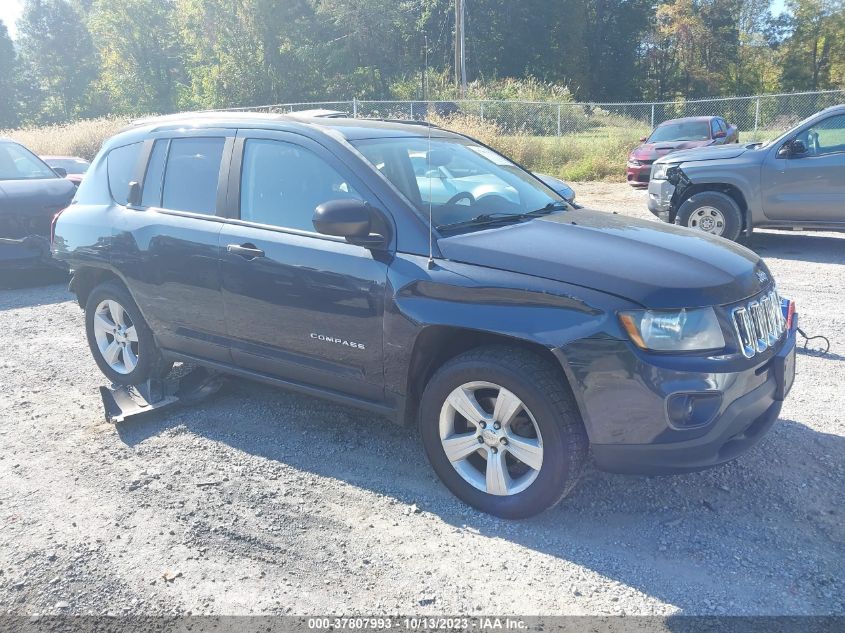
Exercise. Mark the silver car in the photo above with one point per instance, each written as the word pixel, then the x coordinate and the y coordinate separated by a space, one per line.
pixel 795 181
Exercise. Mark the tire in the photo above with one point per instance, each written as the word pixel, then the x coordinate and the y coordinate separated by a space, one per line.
pixel 712 208
pixel 135 334
pixel 548 419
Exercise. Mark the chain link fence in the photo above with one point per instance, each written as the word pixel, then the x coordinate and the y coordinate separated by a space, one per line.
pixel 757 117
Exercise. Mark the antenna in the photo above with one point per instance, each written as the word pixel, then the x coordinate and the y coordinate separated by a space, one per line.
pixel 428 165
pixel 430 205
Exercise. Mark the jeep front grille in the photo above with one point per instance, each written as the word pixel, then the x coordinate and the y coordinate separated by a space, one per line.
pixel 759 324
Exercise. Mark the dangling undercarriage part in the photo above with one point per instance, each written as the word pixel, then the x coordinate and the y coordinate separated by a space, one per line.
pixel 122 402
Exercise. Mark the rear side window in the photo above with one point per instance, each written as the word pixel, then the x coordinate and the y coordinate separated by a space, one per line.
pixel 714 126
pixel 191 175
pixel 122 162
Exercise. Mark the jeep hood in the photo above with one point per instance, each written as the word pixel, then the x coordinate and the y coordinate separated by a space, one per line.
pixel 653 264
pixel 713 152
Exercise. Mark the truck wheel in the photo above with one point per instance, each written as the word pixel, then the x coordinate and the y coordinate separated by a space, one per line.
pixel 120 340
pixel 713 212
pixel 502 431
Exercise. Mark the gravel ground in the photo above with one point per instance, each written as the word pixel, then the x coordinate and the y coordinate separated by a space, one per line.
pixel 263 501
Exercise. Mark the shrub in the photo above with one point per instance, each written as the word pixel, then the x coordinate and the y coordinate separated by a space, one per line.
pixel 441 87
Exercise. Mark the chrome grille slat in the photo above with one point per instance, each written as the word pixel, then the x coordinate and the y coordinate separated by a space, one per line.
pixel 760 338
pixel 759 324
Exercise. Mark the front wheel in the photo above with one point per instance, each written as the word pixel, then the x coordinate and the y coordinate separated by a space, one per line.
pixel 502 431
pixel 712 212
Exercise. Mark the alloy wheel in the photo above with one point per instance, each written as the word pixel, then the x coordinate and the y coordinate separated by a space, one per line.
pixel 490 438
pixel 116 336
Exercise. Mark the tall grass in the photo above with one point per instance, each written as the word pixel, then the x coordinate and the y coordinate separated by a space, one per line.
pixel 82 138
pixel 596 154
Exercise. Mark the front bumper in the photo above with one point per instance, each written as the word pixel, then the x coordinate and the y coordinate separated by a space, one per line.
pixel 660 199
pixel 638 176
pixel 27 253
pixel 623 399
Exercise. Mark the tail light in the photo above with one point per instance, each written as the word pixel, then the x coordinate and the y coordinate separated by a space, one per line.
pixel 53 225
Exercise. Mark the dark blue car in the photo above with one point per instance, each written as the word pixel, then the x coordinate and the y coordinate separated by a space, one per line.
pixel 516 331
pixel 31 193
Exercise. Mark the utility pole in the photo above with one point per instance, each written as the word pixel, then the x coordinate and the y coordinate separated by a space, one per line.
pixel 425 71
pixel 460 56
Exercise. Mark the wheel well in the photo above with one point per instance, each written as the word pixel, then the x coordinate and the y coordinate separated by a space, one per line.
pixel 436 345
pixel 729 190
pixel 86 279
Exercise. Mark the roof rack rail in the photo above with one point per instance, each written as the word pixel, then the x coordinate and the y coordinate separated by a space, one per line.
pixel 408 122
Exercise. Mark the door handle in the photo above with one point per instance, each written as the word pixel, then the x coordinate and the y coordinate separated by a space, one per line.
pixel 247 251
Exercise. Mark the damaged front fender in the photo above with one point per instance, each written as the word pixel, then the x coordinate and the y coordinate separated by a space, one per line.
pixel 676 176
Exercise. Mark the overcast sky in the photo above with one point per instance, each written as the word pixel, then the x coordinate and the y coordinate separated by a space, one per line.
pixel 10 11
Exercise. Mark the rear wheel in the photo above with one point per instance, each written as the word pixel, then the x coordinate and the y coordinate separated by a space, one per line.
pixel 712 212
pixel 502 431
pixel 120 340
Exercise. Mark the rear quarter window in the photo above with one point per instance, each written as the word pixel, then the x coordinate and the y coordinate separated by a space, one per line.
pixel 122 163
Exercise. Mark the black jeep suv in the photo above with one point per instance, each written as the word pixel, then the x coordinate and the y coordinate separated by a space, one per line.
pixel 422 276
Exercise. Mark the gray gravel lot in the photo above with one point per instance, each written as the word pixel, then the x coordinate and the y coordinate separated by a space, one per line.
pixel 263 501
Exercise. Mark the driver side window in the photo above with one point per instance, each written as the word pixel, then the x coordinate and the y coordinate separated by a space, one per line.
pixel 283 183
pixel 714 127
pixel 826 137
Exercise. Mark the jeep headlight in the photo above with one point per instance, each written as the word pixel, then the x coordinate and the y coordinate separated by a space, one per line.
pixel 659 171
pixel 674 330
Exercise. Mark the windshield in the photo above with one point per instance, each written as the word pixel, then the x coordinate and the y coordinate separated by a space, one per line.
pixel 75 166
pixel 461 179
pixel 684 131
pixel 18 163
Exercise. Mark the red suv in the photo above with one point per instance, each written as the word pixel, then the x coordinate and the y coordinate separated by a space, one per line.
pixel 673 135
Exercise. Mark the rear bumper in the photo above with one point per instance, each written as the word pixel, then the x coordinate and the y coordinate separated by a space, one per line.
pixel 624 399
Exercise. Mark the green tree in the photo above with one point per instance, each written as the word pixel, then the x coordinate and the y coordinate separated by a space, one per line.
pixel 614 31
pixel 140 54
pixel 59 57
pixel 8 80
pixel 814 51
pixel 242 52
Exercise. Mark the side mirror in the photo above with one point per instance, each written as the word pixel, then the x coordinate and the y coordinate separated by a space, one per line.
pixel 643 139
pixel 720 134
pixel 61 172
pixel 792 148
pixel 349 218
pixel 133 196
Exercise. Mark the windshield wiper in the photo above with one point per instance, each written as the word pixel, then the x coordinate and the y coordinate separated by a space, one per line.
pixel 554 205
pixel 485 219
